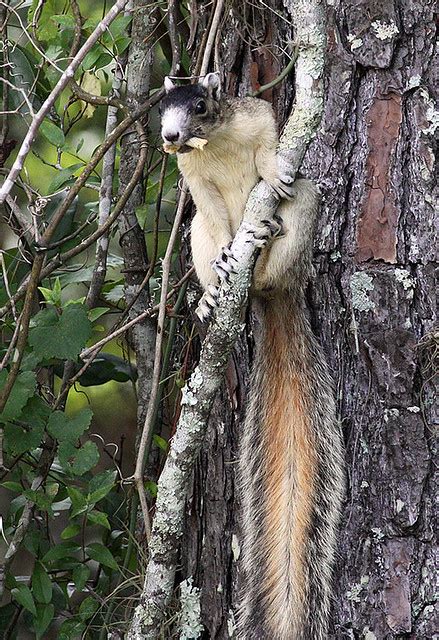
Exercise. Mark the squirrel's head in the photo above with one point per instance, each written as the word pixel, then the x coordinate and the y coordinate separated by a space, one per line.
pixel 190 111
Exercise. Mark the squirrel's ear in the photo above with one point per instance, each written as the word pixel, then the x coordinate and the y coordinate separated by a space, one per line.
pixel 168 84
pixel 213 85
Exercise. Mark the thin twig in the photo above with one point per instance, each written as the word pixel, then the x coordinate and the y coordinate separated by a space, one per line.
pixel 105 196
pixel 24 328
pixel 153 257
pixel 6 281
pixel 211 38
pixel 148 313
pixel 173 36
pixel 279 78
pixel 147 428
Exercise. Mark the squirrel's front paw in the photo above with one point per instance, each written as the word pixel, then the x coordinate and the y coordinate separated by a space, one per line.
pixel 284 187
pixel 284 183
pixel 208 302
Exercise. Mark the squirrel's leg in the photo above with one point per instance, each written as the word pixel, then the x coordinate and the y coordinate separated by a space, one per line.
pixel 291 252
pixel 204 251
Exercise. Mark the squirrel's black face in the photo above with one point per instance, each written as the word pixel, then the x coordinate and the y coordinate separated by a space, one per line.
pixel 190 111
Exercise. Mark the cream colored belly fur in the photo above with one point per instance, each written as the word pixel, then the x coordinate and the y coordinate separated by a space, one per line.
pixel 220 178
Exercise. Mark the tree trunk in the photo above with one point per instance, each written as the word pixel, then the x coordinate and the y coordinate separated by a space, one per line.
pixel 371 302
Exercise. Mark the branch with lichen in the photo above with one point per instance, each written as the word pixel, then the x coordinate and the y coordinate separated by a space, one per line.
pixel 200 392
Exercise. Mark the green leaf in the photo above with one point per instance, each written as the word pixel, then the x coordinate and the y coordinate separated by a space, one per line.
pixel 100 485
pixel 63 176
pixel 101 554
pixel 41 584
pixel 88 608
pixel 27 436
pixel 52 296
pixel 23 596
pixel 43 618
pixel 70 531
pixel 12 486
pixel 106 367
pixel 122 44
pixel 33 541
pixel 79 501
pixel 160 442
pixel 77 461
pixel 119 26
pixel 47 294
pixel 71 629
pixel 91 57
pixel 151 487
pixel 22 390
pixel 153 189
pixel 46 29
pixel 103 60
pixel 90 24
pixel 97 517
pixel 52 133
pixel 66 429
pixel 60 336
pixel 97 312
pixel 7 612
pixel 66 21
pixel 80 575
pixel 23 77
pixel 61 551
pixel 40 498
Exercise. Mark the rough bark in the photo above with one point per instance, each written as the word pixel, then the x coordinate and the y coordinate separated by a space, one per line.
pixel 372 303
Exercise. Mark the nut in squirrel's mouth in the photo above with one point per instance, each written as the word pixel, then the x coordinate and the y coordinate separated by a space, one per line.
pixel 191 143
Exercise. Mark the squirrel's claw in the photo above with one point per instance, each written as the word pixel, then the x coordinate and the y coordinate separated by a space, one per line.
pixel 208 302
pixel 260 235
pixel 284 184
pixel 223 265
pixel 284 187
pixel 223 268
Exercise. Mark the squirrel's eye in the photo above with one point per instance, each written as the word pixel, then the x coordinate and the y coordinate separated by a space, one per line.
pixel 200 107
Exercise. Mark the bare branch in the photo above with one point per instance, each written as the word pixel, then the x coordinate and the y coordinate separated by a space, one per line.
pixel 148 313
pixel 211 37
pixel 105 195
pixel 149 419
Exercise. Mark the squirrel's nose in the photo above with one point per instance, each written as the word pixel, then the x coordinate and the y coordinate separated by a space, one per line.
pixel 171 136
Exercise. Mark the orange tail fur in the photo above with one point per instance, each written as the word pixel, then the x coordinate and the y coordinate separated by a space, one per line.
pixel 291 477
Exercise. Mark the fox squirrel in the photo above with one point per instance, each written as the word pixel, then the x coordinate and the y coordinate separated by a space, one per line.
pixel 291 456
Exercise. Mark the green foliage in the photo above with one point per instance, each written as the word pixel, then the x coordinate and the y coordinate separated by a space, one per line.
pixel 60 476
pixel 60 335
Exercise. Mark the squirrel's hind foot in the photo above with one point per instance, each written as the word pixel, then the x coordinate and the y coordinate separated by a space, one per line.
pixel 271 228
pixel 208 302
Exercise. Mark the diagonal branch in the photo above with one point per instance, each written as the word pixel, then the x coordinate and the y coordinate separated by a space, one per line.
pixel 200 392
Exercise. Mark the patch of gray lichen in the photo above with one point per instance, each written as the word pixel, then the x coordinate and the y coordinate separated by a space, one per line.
pixel 361 283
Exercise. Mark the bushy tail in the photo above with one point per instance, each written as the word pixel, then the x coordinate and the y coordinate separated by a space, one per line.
pixel 291 482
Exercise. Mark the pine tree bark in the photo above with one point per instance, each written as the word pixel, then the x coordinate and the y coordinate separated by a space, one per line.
pixel 372 304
